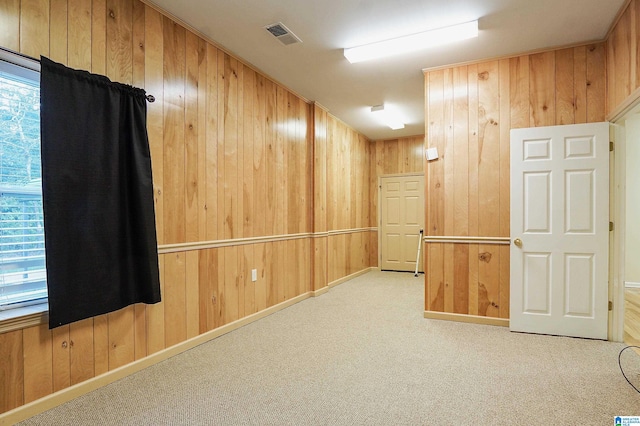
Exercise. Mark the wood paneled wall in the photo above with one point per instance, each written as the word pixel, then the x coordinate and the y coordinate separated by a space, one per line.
pixel 390 157
pixel 234 155
pixel 469 112
pixel 623 58
pixel 348 204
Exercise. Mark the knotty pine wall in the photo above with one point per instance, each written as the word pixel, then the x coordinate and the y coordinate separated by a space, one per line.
pixel 623 58
pixel 391 157
pixel 235 157
pixel 469 112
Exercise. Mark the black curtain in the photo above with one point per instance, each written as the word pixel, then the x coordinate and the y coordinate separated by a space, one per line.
pixel 97 190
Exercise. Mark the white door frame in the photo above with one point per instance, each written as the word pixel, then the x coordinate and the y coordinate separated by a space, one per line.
pixel 380 208
pixel 618 192
pixel 617 196
pixel 618 216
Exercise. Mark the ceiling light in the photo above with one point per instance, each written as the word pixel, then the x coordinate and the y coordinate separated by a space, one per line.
pixel 412 42
pixel 388 117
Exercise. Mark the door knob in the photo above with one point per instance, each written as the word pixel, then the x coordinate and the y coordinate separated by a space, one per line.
pixel 517 242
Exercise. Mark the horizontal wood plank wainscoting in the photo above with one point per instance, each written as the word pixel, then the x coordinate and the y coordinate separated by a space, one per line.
pixel 470 110
pixel 247 175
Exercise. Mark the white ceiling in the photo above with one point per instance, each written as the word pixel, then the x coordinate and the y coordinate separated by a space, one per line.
pixel 317 70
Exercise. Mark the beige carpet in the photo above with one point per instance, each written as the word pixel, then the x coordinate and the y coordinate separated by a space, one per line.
pixel 363 354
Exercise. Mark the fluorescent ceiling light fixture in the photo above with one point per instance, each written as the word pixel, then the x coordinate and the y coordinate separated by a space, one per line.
pixel 388 117
pixel 411 43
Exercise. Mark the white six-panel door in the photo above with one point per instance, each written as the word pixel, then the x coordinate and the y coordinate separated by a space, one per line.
pixel 560 230
pixel 402 217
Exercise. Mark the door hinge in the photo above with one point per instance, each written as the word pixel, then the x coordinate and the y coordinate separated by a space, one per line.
pixel 611 146
pixel 610 305
pixel 610 226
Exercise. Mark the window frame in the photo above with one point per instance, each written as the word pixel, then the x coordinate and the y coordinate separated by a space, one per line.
pixel 35 314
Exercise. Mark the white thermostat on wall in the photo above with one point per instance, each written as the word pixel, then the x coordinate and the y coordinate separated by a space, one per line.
pixel 431 153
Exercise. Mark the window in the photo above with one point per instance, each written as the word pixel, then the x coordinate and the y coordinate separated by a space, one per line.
pixel 22 255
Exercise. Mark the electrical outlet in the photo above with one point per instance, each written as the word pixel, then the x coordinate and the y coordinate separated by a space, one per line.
pixel 254 275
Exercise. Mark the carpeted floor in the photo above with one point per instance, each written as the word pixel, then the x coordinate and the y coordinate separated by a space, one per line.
pixel 363 354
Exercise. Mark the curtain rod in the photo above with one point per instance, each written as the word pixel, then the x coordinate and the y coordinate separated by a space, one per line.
pixel 32 63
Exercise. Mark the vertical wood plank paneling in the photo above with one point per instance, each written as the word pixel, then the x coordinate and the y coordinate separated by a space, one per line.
pixel 435 134
pixel 247 263
pixel 191 139
pixel 154 84
pixel 239 217
pixel 542 89
pixel 11 370
pixel 280 269
pixel 271 275
pixel 138 80
pixel 121 337
pixel 460 258
pixel 174 135
pixel 270 158
pixel 213 129
pixel 488 178
pixel 192 306
pixel 153 76
pixel 519 91
pixel 230 298
pixel 222 89
pixel 449 188
pixel 58 31
pixel 488 147
pixel 175 315
pixel 61 358
pixel 230 199
pixel 435 192
pixel 10 24
pixel 81 351
pixel 211 162
pixel 249 118
pixel 119 41
pixel 219 296
pixel 621 59
pixel 259 158
pixel 292 175
pixel 563 86
pixel 565 97
pixel 308 170
pixel 242 276
pixel 155 317
pixel 203 91
pixel 474 159
pixel 505 186
pixel 119 67
pixel 290 270
pixel 260 263
pixel 99 36
pixel 596 85
pixel 580 83
pixel 100 344
pixel 280 225
pixel 79 34
pixel 505 154
pixel 208 289
pixel 34 27
pixel 38 363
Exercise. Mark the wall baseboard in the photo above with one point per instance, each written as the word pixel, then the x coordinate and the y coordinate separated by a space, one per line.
pixel 50 401
pixel 350 277
pixel 473 319
pixel 65 395
pixel 631 284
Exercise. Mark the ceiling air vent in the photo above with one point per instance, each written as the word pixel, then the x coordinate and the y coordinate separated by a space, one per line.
pixel 283 34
